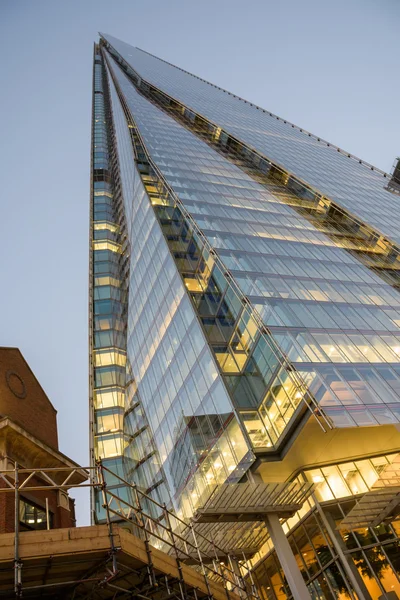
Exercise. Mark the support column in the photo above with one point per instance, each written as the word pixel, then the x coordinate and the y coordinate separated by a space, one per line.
pixel 286 558
pixel 349 567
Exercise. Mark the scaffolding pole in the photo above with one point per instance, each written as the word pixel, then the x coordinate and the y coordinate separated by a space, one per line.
pixel 17 562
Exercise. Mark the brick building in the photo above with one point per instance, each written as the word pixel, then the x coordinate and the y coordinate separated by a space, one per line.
pixel 28 438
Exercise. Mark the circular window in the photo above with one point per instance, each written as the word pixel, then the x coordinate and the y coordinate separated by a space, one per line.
pixel 16 384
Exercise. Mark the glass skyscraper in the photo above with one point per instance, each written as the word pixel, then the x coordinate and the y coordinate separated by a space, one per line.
pixel 244 314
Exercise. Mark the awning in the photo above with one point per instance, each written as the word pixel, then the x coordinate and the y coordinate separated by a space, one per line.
pixel 233 516
pixel 382 502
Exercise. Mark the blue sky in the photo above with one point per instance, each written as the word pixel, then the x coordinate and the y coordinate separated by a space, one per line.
pixel 330 67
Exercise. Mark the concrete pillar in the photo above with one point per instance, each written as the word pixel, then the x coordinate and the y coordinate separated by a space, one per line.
pixel 286 558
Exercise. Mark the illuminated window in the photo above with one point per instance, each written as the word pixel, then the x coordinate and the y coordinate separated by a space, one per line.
pixel 108 446
pixel 109 421
pixel 192 284
pixel 99 245
pixel 103 358
pixel 108 398
pixel 353 478
pixel 226 360
pixel 256 429
pixel 336 482
pixel 33 517
pixel 107 280
pixel 109 226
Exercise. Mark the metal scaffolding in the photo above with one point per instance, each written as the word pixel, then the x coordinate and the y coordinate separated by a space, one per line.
pixel 143 550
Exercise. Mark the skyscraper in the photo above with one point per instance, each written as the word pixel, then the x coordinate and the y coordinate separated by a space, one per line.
pixel 244 316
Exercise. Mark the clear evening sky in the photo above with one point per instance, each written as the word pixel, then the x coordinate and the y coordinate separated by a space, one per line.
pixel 328 66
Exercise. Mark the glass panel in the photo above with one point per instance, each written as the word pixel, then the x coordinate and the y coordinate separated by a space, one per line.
pixel 367 575
pixel 336 482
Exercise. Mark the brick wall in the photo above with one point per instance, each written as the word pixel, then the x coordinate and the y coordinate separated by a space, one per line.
pixel 23 399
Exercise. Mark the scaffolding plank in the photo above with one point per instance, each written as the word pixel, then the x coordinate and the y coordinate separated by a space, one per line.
pixel 64 556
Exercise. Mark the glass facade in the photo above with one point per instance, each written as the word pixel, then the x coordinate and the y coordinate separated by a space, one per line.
pixel 307 281
pixel 107 336
pixel 244 282
pixel 196 433
pixel 357 187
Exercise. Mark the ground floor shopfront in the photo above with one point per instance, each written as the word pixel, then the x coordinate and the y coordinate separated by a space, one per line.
pixel 342 564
